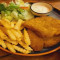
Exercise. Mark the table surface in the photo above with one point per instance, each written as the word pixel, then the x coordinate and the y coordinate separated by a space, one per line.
pixel 52 56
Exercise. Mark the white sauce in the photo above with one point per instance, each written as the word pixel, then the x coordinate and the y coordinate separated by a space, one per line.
pixel 40 8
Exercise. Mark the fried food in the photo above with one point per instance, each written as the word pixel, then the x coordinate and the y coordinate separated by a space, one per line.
pixel 5 23
pixel 25 46
pixel 44 42
pixel 21 49
pixel 41 33
pixel 11 35
pixel 49 42
pixel 44 26
pixel 10 47
pixel 26 37
pixel 2 35
pixel 11 38
pixel 5 32
pixel 17 34
pixel 11 41
pixel 12 24
pixel 18 24
pixel 3 29
pixel 36 42
pixel 2 43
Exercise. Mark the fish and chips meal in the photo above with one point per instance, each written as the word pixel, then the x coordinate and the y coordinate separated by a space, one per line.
pixel 36 34
pixel 21 32
pixel 44 28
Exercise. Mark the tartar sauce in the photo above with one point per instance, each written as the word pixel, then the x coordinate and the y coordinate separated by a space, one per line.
pixel 40 8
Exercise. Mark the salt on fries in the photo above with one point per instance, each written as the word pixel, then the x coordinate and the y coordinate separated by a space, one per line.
pixel 11 36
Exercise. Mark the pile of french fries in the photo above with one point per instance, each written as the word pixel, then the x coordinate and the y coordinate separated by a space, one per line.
pixel 11 36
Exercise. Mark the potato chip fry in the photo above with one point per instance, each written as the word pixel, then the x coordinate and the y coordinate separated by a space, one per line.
pixel 15 32
pixel 25 46
pixel 11 41
pixel 3 29
pixel 7 39
pixel 10 47
pixel 21 49
pixel 2 35
pixel 21 28
pixel 7 21
pixel 5 24
pixel 12 24
pixel 26 37
pixel 18 24
pixel 2 43
pixel 11 35
pixel 20 34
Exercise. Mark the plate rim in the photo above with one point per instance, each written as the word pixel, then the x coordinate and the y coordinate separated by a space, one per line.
pixel 40 54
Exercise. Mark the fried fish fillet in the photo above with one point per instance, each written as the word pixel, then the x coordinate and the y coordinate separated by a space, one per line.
pixel 49 42
pixel 44 26
pixel 36 42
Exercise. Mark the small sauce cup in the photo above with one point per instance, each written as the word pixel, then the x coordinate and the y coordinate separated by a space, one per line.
pixel 41 8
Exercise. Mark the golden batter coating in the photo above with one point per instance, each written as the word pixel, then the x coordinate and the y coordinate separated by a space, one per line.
pixel 44 26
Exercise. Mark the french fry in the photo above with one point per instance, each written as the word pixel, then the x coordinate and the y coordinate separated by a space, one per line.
pixel 21 28
pixel 2 43
pixel 3 29
pixel 25 46
pixel 11 35
pixel 20 34
pixel 2 35
pixel 12 24
pixel 18 24
pixel 26 37
pixel 7 39
pixel 5 24
pixel 17 35
pixel 21 49
pixel 10 32
pixel 11 41
pixel 0 24
pixel 10 47
pixel 7 21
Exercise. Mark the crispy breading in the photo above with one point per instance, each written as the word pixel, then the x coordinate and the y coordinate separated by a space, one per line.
pixel 49 42
pixel 36 42
pixel 44 26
